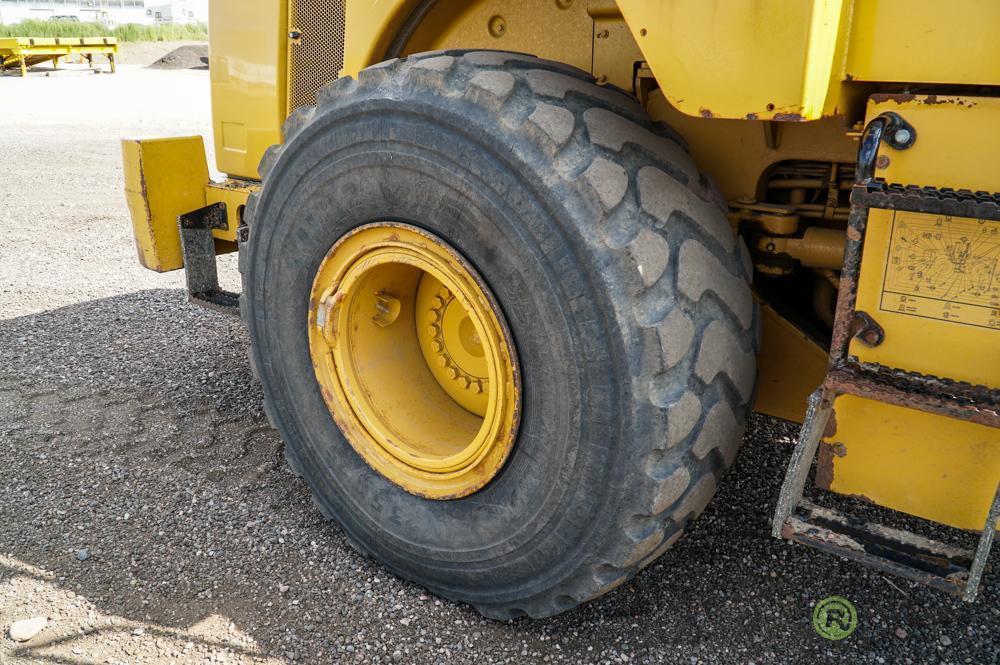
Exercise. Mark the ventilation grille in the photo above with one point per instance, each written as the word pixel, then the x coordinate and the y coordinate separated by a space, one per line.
pixel 316 56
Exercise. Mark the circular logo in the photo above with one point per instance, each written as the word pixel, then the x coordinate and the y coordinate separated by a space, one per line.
pixel 835 618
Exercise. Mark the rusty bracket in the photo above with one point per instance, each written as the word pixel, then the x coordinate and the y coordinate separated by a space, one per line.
pixel 200 270
pixel 867 330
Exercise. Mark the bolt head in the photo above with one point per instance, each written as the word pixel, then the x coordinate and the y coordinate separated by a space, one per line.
pixel 903 136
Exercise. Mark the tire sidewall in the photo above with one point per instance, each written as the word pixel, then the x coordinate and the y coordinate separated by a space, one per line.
pixel 443 175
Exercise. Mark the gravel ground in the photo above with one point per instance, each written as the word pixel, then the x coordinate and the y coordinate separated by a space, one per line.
pixel 146 512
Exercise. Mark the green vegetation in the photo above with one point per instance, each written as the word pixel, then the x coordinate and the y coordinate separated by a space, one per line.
pixel 130 32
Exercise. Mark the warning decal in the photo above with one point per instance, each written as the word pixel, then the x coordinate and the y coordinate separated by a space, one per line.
pixel 945 268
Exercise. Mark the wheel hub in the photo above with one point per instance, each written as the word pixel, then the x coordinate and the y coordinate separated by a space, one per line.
pixel 452 346
pixel 414 359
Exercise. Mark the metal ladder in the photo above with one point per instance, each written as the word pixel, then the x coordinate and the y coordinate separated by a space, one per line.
pixel 906 554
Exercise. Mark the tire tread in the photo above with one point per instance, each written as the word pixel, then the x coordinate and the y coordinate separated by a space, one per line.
pixel 685 278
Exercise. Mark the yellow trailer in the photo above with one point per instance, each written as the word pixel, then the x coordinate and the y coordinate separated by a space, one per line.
pixel 510 312
pixel 24 52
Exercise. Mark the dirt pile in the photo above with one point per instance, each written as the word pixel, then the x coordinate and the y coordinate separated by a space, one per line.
pixel 185 57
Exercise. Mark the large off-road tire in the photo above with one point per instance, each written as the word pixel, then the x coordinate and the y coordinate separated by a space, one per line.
pixel 624 288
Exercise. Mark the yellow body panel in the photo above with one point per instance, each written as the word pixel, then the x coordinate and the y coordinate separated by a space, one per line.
pixel 763 59
pixel 789 364
pixel 521 26
pixel 958 141
pixel 744 58
pixel 933 284
pixel 958 146
pixel 925 41
pixel 938 468
pixel 164 178
pixel 248 44
pixel 371 27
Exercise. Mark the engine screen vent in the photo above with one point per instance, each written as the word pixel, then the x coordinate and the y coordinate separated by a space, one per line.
pixel 315 48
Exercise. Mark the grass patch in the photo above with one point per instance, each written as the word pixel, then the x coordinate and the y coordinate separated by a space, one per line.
pixel 129 32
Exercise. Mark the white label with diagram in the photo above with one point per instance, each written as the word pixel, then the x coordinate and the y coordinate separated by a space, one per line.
pixel 944 268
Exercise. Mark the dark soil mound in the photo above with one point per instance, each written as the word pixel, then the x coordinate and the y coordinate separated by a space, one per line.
pixel 185 57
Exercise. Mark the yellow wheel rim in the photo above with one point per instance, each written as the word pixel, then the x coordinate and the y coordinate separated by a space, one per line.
pixel 414 359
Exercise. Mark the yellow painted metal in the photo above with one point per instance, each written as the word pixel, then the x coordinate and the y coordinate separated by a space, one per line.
pixel 790 365
pixel 24 52
pixel 737 153
pixel 938 468
pixel 451 345
pixel 164 178
pixel 817 248
pixel 763 59
pixel 925 41
pixel 371 27
pixel 247 68
pixel 381 299
pixel 957 145
pixel 234 193
pixel 517 26
pixel 933 285
pixel 745 58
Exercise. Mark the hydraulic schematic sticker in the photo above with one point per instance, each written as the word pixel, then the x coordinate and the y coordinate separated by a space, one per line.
pixel 944 268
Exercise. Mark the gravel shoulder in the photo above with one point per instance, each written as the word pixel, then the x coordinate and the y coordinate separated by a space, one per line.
pixel 146 512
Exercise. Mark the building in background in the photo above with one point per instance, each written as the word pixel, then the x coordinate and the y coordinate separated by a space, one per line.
pixel 107 12
pixel 178 11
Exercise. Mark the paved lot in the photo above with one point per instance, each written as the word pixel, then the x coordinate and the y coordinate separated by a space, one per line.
pixel 146 512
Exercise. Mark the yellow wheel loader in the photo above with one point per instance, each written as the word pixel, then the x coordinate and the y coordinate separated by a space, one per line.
pixel 515 273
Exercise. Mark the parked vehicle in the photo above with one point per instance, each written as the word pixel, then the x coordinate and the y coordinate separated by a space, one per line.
pixel 501 306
